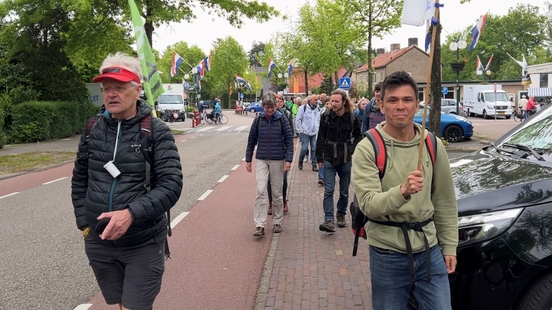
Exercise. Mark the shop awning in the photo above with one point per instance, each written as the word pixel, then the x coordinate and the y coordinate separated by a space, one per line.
pixel 540 92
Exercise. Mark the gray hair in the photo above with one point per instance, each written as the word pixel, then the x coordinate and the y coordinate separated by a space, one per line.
pixel 123 60
pixel 269 99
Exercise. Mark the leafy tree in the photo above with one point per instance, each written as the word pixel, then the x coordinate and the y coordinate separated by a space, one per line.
pixel 157 12
pixel 228 59
pixel 516 33
pixel 373 18
pixel 332 42
pixel 257 50
pixel 192 56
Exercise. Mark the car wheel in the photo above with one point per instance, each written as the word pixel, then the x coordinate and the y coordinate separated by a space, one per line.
pixel 252 110
pixel 539 296
pixel 453 133
pixel 485 116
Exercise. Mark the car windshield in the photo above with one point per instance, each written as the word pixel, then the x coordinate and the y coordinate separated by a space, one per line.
pixel 535 134
pixel 170 99
pixel 500 96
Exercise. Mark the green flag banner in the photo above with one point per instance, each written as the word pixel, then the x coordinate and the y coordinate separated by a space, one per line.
pixel 152 82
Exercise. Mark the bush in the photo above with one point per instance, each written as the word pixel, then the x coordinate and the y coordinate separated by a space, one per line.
pixel 35 121
pixel 2 133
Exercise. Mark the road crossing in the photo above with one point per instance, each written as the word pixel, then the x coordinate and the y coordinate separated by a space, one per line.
pixel 214 129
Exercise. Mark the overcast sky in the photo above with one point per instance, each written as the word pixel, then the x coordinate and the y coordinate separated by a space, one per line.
pixel 206 28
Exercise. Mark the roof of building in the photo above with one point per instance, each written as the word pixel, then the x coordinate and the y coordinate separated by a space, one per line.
pixel 386 58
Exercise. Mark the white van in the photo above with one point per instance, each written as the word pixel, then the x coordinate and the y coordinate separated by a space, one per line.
pixel 171 104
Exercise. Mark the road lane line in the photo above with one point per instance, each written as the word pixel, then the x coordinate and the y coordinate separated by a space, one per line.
pixel 202 197
pixel 222 179
pixel 204 129
pixel 235 167
pixel 184 140
pixel 193 137
pixel 239 129
pixel 179 218
pixel 223 128
pixel 50 182
pixel 83 307
pixel 8 195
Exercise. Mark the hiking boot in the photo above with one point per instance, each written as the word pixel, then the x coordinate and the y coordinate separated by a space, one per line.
pixel 314 167
pixel 270 208
pixel 341 220
pixel 300 165
pixel 328 226
pixel 320 182
pixel 277 228
pixel 286 209
pixel 259 232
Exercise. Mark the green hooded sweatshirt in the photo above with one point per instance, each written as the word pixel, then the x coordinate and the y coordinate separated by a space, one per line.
pixel 383 201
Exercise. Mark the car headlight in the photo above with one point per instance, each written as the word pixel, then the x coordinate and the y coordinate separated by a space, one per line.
pixel 490 107
pixel 480 227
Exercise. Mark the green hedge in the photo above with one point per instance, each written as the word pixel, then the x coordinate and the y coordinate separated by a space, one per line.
pixel 36 121
pixel 2 133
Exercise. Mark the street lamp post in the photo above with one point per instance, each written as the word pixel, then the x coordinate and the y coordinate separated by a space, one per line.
pixel 457 67
pixel 284 78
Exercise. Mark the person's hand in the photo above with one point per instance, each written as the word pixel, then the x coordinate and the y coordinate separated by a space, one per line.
pixel 320 165
pixel 118 225
pixel 414 183
pixel 450 263
pixel 287 166
pixel 248 167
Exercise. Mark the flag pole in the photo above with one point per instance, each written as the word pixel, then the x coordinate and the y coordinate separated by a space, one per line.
pixel 434 24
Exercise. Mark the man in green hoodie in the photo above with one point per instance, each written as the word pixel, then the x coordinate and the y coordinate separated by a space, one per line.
pixel 413 227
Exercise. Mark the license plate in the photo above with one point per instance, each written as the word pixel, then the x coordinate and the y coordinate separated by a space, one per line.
pixel 501 113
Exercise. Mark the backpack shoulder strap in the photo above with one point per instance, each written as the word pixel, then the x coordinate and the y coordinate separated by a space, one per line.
pixel 305 107
pixel 380 150
pixel 431 145
pixel 258 122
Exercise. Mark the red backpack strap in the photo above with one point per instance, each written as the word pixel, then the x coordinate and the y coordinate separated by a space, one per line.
pixel 431 145
pixel 90 124
pixel 380 150
pixel 145 125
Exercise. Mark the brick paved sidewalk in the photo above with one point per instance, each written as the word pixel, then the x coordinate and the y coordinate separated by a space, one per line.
pixel 310 269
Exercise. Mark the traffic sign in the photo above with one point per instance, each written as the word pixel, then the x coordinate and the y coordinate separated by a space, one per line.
pixel 345 83
pixel 445 90
pixel 241 95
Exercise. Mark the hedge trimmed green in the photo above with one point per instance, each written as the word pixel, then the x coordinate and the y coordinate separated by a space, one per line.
pixel 36 121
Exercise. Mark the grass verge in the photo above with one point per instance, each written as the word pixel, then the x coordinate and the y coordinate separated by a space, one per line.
pixel 13 164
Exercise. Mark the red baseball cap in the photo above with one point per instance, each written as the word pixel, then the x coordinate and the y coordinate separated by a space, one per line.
pixel 117 73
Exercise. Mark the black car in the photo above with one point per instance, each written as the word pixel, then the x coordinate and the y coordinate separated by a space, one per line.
pixel 504 194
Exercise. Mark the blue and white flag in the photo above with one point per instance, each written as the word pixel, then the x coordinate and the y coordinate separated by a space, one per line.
pixel 416 12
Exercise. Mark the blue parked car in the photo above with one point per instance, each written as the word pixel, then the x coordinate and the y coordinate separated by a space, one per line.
pixel 255 107
pixel 454 128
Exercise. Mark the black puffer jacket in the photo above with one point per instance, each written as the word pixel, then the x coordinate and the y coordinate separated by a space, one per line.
pixel 95 191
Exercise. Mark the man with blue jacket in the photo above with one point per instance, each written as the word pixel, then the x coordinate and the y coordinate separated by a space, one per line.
pixel 272 135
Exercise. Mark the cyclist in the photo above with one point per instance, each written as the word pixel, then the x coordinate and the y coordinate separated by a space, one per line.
pixel 217 109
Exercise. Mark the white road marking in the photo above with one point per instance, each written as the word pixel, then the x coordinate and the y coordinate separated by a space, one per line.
pixel 202 197
pixel 223 128
pixel 243 159
pixel 204 129
pixel 460 162
pixel 50 182
pixel 235 167
pixel 184 140
pixel 223 178
pixel 193 137
pixel 179 218
pixel 83 307
pixel 8 195
pixel 239 129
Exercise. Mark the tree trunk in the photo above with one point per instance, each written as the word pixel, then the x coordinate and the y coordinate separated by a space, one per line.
pixel 306 81
pixel 148 26
pixel 369 77
pixel 435 86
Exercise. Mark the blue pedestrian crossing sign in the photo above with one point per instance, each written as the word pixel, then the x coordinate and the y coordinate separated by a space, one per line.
pixel 345 83
pixel 445 90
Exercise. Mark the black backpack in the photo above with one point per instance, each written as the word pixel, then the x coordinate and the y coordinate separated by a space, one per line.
pixel 147 146
pixel 359 219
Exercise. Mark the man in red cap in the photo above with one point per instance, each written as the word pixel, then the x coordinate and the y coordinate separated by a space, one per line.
pixel 122 218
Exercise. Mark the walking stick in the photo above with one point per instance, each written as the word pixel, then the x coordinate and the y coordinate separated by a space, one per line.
pixel 434 24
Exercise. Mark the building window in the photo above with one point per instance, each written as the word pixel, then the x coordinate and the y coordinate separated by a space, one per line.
pixel 421 94
pixel 543 80
pixel 450 94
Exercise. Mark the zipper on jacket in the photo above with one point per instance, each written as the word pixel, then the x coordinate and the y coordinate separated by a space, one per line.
pixel 114 182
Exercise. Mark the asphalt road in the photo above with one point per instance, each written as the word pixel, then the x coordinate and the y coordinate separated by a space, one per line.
pixel 42 262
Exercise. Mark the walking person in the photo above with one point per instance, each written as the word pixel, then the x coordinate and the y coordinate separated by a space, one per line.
pixel 372 115
pixel 271 133
pixel 413 218
pixel 339 133
pixel 308 122
pixel 110 185
pixel 287 114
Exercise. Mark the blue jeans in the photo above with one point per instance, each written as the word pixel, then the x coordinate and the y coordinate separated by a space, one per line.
pixel 305 141
pixel 392 285
pixel 321 173
pixel 344 173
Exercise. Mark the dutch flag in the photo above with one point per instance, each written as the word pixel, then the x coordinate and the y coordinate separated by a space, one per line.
pixel 176 61
pixel 476 31
pixel 240 80
pixel 271 66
